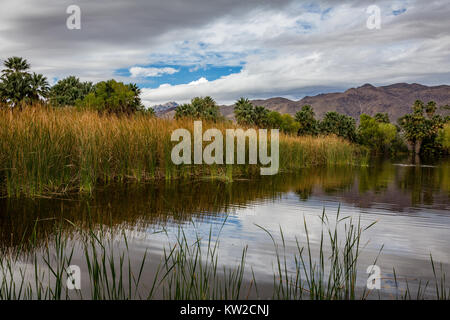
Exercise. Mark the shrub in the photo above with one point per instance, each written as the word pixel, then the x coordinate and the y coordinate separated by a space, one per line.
pixel 421 127
pixel 112 97
pixel 308 125
pixel 68 91
pixel 378 136
pixel 338 124
pixel 200 108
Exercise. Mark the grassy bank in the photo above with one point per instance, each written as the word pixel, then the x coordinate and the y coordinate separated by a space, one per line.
pixel 48 151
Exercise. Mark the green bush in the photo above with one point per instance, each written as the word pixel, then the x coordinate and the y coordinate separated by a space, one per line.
pixel 247 114
pixel 380 137
pixel 200 108
pixel 18 86
pixel 421 127
pixel 68 91
pixel 338 124
pixel 112 97
pixel 308 125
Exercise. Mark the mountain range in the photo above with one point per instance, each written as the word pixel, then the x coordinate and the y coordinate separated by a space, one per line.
pixel 396 100
pixel 161 109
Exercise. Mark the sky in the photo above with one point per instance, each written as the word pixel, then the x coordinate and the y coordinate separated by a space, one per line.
pixel 227 49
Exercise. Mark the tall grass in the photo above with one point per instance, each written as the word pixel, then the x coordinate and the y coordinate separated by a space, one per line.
pixel 189 269
pixel 318 275
pixel 52 151
pixel 192 274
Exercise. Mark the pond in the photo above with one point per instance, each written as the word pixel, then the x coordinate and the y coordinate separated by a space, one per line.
pixel 409 202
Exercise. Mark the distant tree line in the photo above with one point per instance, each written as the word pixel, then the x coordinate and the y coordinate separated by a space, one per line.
pixel 200 108
pixel 19 87
pixel 423 131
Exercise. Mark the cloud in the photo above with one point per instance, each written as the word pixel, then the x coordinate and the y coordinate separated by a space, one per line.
pixel 136 72
pixel 200 81
pixel 286 48
pixel 339 52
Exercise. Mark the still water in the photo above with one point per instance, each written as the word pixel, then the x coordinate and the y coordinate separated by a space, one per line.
pixel 410 203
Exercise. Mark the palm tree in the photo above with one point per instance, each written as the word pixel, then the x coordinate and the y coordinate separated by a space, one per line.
pixel 137 103
pixel 67 91
pixel 260 116
pixel 184 110
pixel 18 85
pixel 15 65
pixel 244 111
pixel 15 88
pixel 39 87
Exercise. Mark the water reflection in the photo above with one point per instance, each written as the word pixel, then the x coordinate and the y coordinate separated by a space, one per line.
pixel 392 187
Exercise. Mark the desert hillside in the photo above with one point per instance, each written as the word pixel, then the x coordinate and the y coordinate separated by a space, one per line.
pixel 395 99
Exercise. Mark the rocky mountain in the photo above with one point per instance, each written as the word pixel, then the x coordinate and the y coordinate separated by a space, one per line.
pixel 161 109
pixel 395 99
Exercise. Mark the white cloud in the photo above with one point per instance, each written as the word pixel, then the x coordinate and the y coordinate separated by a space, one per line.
pixel 200 81
pixel 338 52
pixel 279 55
pixel 137 72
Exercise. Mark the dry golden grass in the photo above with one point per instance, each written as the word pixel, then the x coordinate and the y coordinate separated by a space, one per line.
pixel 45 151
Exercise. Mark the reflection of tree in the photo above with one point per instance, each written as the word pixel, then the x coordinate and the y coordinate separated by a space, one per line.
pixel 376 177
pixel 380 182
pixel 138 207
pixel 304 193
pixel 443 177
pixel 328 179
pixel 421 182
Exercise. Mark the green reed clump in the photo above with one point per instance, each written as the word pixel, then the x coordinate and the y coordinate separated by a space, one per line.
pixel 185 272
pixel 39 275
pixel 190 273
pixel 46 151
pixel 324 275
pixel 190 269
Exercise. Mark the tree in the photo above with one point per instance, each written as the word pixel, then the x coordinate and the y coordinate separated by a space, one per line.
pixel 15 65
pixel 244 112
pixel 274 120
pixel 382 118
pixel 445 136
pixel 308 125
pixel 39 87
pixel 289 125
pixel 430 109
pixel 67 91
pixel 419 127
pixel 378 136
pixel 261 116
pixel 19 86
pixel 137 96
pixel 338 124
pixel 284 122
pixel 199 108
pixel 247 114
pixel 111 97
pixel 15 88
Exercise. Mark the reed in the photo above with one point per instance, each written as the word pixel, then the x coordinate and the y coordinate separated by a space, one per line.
pixel 46 152
pixel 189 269
pixel 321 275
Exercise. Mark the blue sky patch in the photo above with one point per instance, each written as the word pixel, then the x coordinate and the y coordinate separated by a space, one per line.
pixel 184 75
pixel 399 12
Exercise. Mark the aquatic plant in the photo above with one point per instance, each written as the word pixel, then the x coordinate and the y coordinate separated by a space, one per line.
pixel 48 152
